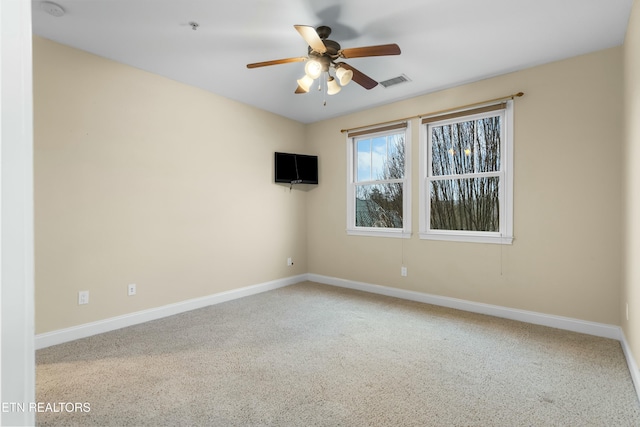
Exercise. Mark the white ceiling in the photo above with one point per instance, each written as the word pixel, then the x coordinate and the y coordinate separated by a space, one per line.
pixel 444 42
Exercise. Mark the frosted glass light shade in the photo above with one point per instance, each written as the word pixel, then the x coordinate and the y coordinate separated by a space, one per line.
pixel 344 76
pixel 313 68
pixel 332 86
pixel 305 83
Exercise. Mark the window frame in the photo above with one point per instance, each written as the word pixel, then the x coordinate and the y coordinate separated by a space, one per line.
pixel 352 140
pixel 505 233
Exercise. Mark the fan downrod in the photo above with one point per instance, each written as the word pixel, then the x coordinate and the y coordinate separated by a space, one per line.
pixel 323 31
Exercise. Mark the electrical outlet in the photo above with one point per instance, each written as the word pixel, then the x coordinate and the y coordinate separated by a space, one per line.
pixel 403 271
pixel 289 261
pixel 131 289
pixel 83 297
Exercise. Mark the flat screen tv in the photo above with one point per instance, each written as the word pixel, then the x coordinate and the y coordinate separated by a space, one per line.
pixel 296 168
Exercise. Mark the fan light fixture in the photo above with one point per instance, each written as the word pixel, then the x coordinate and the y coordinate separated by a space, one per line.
pixel 313 68
pixel 305 83
pixel 332 86
pixel 344 76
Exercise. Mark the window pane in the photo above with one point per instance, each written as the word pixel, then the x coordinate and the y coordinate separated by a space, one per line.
pixel 466 147
pixel 379 205
pixel 465 204
pixel 394 167
pixel 363 160
pixel 380 158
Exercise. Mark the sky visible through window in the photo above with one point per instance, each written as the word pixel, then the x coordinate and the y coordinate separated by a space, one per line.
pixel 373 154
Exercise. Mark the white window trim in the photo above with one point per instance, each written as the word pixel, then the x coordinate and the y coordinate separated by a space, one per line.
pixel 505 235
pixel 352 230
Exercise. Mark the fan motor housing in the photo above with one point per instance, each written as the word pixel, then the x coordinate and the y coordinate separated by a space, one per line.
pixel 333 48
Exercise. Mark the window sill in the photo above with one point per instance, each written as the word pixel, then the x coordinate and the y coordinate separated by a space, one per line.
pixel 399 234
pixel 499 240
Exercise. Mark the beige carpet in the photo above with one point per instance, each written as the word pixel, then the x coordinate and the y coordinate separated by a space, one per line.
pixel 315 355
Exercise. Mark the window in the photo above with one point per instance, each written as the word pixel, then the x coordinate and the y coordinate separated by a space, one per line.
pixel 466 175
pixel 378 182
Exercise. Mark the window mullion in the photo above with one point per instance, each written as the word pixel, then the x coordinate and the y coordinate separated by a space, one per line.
pixel 383 181
pixel 465 176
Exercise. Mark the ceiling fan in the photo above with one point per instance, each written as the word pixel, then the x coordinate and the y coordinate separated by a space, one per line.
pixel 324 54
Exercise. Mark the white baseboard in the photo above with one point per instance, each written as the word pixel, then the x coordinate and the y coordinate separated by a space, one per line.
pixel 591 328
pixel 566 323
pixel 88 329
pixel 631 363
pixel 82 331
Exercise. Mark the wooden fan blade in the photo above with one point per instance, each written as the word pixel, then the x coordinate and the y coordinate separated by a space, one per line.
pixel 380 50
pixel 360 78
pixel 312 38
pixel 276 62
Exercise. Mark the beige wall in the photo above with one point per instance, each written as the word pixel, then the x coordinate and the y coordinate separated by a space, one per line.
pixel 137 181
pixel 140 179
pixel 566 256
pixel 631 284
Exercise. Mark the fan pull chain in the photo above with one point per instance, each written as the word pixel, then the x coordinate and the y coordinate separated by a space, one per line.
pixel 324 94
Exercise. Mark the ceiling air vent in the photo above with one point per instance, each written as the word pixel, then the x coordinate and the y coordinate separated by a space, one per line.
pixel 395 81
